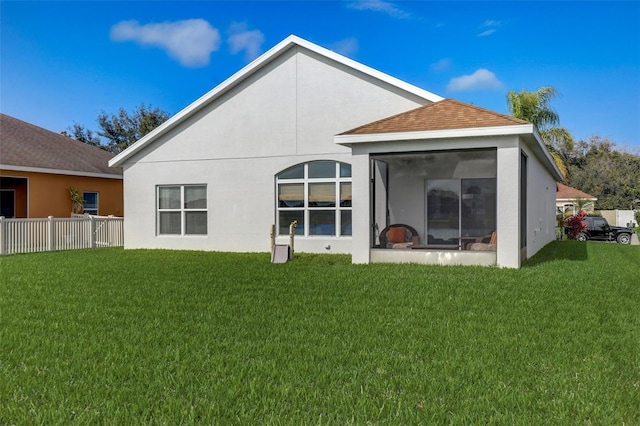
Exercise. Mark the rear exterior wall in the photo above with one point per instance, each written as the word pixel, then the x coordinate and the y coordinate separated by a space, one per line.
pixel 285 114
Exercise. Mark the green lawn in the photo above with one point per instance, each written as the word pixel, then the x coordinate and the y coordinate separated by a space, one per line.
pixel 172 337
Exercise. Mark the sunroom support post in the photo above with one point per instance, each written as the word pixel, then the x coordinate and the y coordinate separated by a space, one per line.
pixel 508 208
pixel 361 214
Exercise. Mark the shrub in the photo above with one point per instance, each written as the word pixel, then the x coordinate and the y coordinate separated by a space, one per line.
pixel 575 225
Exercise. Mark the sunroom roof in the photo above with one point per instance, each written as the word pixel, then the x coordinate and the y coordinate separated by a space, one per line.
pixel 445 114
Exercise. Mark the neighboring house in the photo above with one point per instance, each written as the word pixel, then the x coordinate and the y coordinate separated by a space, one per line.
pixel 37 168
pixel 273 144
pixel 568 198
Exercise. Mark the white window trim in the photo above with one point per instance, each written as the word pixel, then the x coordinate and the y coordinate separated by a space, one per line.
pixel 337 180
pixel 183 210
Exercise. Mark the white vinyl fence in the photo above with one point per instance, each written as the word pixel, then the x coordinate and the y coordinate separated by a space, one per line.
pixel 52 234
pixel 620 217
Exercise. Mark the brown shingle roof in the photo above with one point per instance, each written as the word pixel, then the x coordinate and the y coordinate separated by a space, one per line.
pixel 26 145
pixel 445 114
pixel 566 192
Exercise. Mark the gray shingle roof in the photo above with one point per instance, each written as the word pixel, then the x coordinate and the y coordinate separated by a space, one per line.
pixel 26 145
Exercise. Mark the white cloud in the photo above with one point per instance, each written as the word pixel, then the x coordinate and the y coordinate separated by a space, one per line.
pixel 240 38
pixel 383 6
pixel 482 79
pixel 190 41
pixel 443 64
pixel 486 33
pixel 491 25
pixel 346 47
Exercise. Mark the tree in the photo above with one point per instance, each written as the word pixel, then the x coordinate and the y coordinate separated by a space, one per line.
pixel 535 108
pixel 123 130
pixel 118 132
pixel 81 134
pixel 613 176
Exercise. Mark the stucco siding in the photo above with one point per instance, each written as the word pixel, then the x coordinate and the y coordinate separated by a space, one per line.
pixel 361 249
pixel 48 194
pixel 285 114
pixel 255 119
pixel 508 202
pixel 541 217
pixel 292 106
pixel 333 98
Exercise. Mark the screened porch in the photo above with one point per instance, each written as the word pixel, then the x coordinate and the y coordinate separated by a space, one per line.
pixel 434 204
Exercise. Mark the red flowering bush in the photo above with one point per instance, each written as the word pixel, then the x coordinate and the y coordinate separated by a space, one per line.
pixel 575 225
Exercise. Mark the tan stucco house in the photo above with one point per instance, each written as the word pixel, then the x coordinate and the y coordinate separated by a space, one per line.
pixel 567 199
pixel 37 168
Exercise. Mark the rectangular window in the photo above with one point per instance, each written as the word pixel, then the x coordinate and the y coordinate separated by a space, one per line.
pixel 182 210
pixel 90 202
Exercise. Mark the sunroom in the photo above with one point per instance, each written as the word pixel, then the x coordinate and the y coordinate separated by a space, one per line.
pixel 450 183
pixel 442 200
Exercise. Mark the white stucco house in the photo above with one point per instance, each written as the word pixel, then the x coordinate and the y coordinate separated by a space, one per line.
pixel 305 134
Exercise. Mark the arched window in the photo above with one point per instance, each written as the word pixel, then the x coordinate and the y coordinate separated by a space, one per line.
pixel 317 195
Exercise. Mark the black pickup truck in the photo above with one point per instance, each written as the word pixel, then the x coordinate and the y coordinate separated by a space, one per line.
pixel 599 229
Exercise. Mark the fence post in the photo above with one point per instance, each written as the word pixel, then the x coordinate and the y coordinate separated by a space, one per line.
pixel 2 243
pixel 92 230
pixel 50 234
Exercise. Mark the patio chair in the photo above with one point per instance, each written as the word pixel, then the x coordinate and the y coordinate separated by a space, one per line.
pixel 399 236
pixel 486 243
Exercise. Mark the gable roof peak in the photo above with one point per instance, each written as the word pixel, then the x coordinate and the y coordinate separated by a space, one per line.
pixel 264 59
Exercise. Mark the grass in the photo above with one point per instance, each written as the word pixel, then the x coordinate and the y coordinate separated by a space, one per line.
pixel 171 337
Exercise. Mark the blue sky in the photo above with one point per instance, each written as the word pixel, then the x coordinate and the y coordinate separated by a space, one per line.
pixel 65 62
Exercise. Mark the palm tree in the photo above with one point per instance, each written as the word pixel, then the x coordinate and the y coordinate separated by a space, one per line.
pixel 534 107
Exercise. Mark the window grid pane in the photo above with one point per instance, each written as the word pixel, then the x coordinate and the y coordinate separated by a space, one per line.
pixel 345 222
pixel 170 223
pixel 195 197
pixel 345 170
pixel 169 197
pixel 291 195
pixel 322 169
pixel 322 222
pixel 322 194
pixel 285 217
pixel 295 172
pixel 195 223
pixel 345 194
